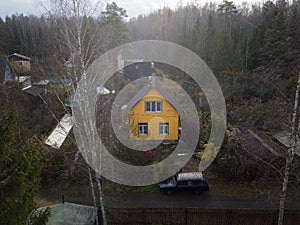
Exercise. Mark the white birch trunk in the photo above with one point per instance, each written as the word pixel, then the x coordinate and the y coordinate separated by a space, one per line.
pixel 101 199
pixel 94 196
pixel 74 30
pixel 289 156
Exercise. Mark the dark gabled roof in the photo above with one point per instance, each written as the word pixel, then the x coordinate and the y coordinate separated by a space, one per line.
pixel 35 90
pixel 258 144
pixel 154 83
pixel 136 69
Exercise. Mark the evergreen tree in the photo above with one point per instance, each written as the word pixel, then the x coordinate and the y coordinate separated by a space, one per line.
pixel 223 57
pixel 256 44
pixel 197 38
pixel 113 24
pixel 229 10
pixel 3 37
pixel 185 35
pixel 275 35
pixel 293 33
pixel 19 173
pixel 227 7
pixel 209 43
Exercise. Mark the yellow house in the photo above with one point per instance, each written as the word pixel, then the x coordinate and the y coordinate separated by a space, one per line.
pixel 153 114
pixel 20 63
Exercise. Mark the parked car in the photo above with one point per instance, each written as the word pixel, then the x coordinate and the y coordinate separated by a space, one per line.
pixel 192 182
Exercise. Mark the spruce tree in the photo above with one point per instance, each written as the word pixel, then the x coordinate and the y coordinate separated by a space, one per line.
pixel 223 57
pixel 275 35
pixel 113 23
pixel 19 173
pixel 209 43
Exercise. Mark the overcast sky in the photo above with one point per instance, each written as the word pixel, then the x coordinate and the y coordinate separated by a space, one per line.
pixel 133 7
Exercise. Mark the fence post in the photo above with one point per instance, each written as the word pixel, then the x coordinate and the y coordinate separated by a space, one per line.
pixel 185 216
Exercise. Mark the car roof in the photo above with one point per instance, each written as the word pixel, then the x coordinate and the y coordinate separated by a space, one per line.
pixel 190 176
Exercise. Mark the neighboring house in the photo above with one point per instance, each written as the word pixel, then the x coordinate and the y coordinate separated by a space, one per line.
pixel 20 63
pixel 7 74
pixel 153 114
pixel 135 69
pixel 134 65
pixel 13 68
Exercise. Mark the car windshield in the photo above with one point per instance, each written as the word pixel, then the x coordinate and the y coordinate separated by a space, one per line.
pixel 170 180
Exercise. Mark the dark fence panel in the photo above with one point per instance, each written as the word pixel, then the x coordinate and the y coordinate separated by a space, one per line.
pixel 194 216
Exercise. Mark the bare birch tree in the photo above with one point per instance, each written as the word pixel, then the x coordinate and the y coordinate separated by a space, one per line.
pixel 80 38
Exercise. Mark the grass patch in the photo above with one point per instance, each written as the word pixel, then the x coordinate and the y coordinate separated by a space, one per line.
pixel 110 187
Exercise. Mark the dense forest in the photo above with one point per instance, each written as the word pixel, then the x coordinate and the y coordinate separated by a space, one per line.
pixel 253 50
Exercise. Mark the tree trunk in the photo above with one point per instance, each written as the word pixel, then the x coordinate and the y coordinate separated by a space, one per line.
pixel 104 220
pixel 93 195
pixel 289 156
pixel 285 182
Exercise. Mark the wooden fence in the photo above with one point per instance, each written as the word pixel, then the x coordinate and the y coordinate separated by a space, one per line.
pixel 195 216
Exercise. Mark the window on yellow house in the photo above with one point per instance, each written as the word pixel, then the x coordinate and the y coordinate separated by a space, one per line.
pixel 163 129
pixel 153 106
pixel 143 129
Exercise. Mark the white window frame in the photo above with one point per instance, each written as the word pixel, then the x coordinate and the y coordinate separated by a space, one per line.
pixel 153 106
pixel 143 129
pixel 163 129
